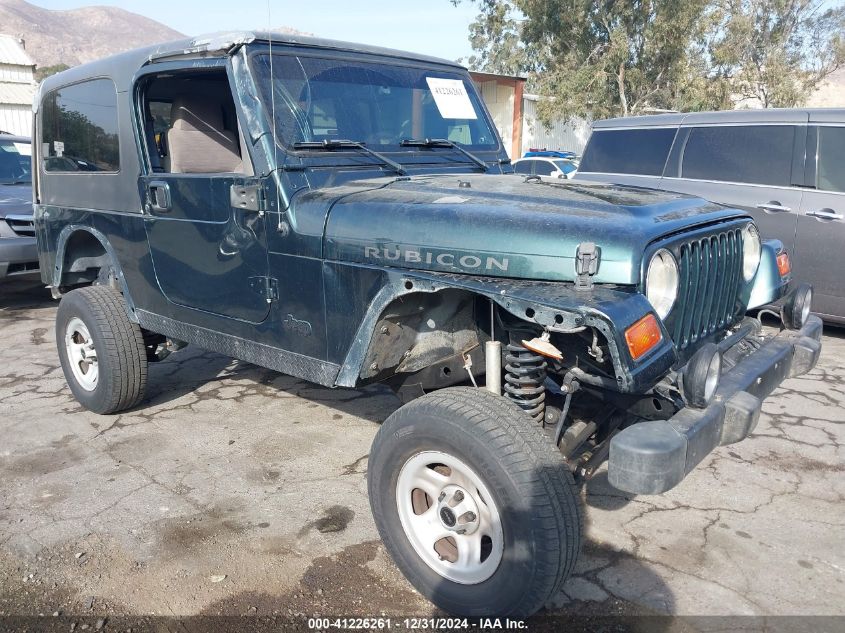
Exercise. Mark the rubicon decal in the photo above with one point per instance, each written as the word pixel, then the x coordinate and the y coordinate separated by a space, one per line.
pixel 446 259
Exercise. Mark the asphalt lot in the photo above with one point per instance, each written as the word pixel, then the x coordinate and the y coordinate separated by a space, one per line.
pixel 234 490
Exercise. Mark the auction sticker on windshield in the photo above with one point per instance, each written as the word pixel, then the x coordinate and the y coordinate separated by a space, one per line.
pixel 451 98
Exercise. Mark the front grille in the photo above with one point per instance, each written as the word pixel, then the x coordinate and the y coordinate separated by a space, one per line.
pixel 710 271
pixel 16 269
pixel 22 225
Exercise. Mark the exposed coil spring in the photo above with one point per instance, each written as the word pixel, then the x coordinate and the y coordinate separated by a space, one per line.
pixel 525 373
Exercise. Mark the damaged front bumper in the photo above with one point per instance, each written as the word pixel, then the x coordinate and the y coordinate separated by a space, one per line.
pixel 652 457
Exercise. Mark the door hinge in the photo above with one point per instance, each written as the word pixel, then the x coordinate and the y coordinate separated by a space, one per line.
pixel 267 287
pixel 249 197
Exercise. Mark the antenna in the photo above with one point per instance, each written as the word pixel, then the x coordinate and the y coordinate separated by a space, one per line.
pixel 279 226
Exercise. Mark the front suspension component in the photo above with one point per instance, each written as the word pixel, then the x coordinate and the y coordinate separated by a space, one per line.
pixel 525 373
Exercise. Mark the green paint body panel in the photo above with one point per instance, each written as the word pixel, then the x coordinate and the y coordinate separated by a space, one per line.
pixel 505 226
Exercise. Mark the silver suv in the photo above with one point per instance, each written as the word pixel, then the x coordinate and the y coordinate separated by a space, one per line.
pixel 785 167
pixel 18 253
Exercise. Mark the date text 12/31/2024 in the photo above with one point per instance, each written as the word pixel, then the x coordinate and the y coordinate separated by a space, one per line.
pixel 416 624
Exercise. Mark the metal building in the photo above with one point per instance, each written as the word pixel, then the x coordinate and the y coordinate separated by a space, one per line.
pixel 570 135
pixel 17 86
pixel 515 114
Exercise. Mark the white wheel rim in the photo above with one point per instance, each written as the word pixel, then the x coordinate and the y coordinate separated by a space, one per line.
pixel 449 517
pixel 81 354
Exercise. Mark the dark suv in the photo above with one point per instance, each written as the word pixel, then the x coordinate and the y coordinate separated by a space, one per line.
pixel 348 215
pixel 18 253
pixel 786 168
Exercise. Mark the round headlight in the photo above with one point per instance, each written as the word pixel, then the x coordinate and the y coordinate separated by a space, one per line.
pixel 661 282
pixel 751 250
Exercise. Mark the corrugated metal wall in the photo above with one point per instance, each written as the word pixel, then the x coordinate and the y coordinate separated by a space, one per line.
pixel 20 74
pixel 499 101
pixel 17 87
pixel 16 119
pixel 570 136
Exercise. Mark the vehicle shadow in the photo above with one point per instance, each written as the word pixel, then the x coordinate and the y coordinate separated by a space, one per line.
pixel 192 369
pixel 599 595
pixel 599 494
pixel 24 294
pixel 609 588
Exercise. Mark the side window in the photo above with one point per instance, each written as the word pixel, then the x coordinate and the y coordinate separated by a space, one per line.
pixel 523 167
pixel 191 127
pixel 565 166
pixel 640 151
pixel 758 154
pixel 80 128
pixel 831 161
pixel 542 168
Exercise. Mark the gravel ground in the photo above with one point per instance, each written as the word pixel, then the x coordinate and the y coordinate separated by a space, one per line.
pixel 233 490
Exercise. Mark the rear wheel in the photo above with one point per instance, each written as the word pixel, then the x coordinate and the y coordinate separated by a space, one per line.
pixel 102 352
pixel 473 503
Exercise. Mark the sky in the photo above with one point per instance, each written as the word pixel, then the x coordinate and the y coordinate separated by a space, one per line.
pixel 431 27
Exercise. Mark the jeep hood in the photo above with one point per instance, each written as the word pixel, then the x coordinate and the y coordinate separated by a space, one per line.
pixel 506 226
pixel 15 199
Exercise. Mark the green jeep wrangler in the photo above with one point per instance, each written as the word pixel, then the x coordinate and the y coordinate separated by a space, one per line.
pixel 348 215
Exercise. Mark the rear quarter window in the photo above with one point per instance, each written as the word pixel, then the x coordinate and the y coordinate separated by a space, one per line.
pixel 634 151
pixel 758 154
pixel 80 128
pixel 831 159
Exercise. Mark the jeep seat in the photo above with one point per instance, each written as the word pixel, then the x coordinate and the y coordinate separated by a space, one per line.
pixel 197 140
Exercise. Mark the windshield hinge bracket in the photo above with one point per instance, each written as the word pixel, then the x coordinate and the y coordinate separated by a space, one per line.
pixel 587 258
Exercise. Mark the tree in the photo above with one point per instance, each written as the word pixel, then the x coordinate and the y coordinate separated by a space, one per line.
pixel 776 52
pixel 595 58
pixel 615 58
pixel 43 72
pixel 497 38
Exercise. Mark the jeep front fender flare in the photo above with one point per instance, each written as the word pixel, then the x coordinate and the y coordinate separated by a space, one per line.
pixel 552 305
pixel 767 286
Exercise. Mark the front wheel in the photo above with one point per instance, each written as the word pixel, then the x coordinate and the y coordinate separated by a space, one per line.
pixel 473 503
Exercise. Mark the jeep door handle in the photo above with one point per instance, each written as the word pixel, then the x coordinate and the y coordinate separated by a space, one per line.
pixel 158 197
pixel 825 214
pixel 773 206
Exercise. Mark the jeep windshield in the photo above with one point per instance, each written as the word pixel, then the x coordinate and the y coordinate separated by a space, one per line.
pixel 386 107
pixel 15 165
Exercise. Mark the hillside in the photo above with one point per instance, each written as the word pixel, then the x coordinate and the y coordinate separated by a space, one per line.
pixel 79 35
pixel 831 94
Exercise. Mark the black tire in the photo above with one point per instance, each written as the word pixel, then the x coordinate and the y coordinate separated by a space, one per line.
pixel 119 345
pixel 697 392
pixel 531 487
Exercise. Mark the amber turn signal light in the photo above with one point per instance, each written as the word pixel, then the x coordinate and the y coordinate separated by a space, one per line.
pixel 784 265
pixel 643 336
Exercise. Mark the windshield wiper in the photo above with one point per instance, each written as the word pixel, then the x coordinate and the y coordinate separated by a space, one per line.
pixel 442 142
pixel 330 144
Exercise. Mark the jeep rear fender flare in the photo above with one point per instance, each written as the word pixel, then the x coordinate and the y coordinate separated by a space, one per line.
pixel 552 305
pixel 58 271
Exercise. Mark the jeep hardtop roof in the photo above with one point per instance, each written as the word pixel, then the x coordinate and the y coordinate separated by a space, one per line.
pixel 768 115
pixel 122 67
